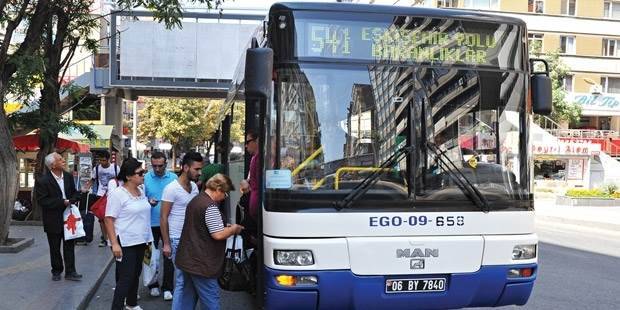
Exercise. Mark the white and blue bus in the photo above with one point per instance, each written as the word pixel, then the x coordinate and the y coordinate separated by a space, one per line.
pixel 395 161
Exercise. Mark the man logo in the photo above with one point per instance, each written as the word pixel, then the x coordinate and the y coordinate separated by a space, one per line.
pixel 416 263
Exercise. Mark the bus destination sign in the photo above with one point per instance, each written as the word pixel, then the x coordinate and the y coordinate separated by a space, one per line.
pixel 353 40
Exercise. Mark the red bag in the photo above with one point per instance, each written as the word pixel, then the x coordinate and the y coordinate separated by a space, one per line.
pixel 98 208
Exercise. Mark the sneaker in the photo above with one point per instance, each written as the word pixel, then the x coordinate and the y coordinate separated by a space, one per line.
pixel 74 276
pixel 56 277
pixel 155 292
pixel 167 295
pixel 103 243
pixel 133 308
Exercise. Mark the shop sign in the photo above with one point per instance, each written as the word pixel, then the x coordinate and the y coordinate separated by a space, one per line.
pixel 596 102
pixel 566 148
pixel 575 169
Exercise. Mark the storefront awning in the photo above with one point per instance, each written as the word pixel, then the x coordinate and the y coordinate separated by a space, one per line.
pixel 103 133
pixel 30 143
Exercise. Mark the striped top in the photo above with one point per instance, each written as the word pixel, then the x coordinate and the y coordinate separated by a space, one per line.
pixel 213 219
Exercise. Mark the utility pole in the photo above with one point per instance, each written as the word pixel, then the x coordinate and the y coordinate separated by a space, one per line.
pixel 134 131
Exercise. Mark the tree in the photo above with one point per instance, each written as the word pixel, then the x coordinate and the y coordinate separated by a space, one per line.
pixel 237 129
pixel 23 63
pixel 12 57
pixel 563 110
pixel 182 122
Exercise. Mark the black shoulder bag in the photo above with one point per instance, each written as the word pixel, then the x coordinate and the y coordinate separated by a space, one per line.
pixel 236 275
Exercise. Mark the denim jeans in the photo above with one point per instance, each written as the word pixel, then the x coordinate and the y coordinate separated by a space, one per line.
pixel 206 289
pixel 180 300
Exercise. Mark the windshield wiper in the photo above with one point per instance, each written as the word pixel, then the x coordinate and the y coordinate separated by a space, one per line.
pixel 460 179
pixel 363 187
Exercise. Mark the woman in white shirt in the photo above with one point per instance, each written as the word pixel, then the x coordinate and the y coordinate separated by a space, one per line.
pixel 128 218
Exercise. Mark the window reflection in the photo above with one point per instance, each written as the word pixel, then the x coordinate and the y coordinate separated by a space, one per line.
pixel 337 125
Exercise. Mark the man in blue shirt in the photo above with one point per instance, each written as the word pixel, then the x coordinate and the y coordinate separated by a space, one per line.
pixel 154 183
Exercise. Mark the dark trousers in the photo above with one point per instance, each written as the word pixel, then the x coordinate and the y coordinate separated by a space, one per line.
pixel 168 266
pixel 68 253
pixel 89 224
pixel 86 201
pixel 128 271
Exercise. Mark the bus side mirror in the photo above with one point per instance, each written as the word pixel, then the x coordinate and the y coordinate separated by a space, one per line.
pixel 258 72
pixel 542 98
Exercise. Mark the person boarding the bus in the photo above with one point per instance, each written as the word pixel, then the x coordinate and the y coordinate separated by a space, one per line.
pixel 250 185
pixel 205 232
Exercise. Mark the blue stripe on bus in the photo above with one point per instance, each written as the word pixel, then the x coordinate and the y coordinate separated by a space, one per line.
pixel 341 289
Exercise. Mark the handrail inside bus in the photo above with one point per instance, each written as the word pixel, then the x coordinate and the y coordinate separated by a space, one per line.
pixel 308 160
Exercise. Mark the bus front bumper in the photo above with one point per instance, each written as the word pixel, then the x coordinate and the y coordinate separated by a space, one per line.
pixel 341 289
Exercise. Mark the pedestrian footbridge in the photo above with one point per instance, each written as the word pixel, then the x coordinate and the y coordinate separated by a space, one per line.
pixel 141 57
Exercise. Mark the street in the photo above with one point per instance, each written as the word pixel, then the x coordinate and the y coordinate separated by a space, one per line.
pixel 578 270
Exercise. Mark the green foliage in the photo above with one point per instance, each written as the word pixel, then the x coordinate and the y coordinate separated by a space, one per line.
pixel 608 191
pixel 610 188
pixel 182 122
pixel 27 78
pixel 238 125
pixel 586 193
pixel 167 11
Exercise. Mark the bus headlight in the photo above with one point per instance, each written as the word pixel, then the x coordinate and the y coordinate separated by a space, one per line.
pixel 293 257
pixel 524 251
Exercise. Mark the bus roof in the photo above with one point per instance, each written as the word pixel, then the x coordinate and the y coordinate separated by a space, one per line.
pixel 396 10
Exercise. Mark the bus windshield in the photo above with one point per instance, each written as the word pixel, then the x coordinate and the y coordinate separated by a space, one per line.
pixel 335 124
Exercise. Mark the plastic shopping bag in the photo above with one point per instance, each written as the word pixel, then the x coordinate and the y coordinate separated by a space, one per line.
pixel 234 248
pixel 73 224
pixel 236 275
pixel 150 263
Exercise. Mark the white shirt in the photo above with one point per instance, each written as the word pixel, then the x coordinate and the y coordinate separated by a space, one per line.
pixel 176 194
pixel 61 183
pixel 114 184
pixel 105 175
pixel 132 217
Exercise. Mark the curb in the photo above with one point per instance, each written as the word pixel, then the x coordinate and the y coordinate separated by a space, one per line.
pixel 26 223
pixel 93 289
pixel 591 224
pixel 19 245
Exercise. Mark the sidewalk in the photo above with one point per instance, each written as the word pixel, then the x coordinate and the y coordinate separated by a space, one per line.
pixel 607 218
pixel 26 279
